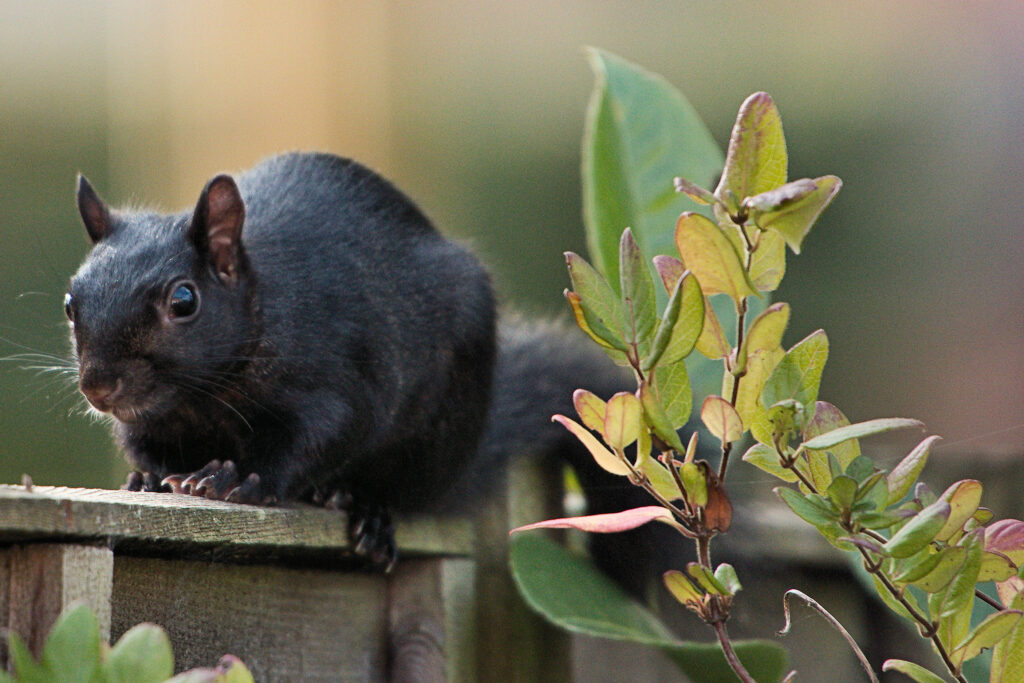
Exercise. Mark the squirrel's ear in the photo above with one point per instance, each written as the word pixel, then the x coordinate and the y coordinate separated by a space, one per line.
pixel 94 212
pixel 216 228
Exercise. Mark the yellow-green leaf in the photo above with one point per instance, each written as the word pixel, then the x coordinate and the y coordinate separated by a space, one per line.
pixel 707 252
pixel 679 329
pixel 963 498
pixel 623 419
pixel 919 531
pixel 721 419
pixel 989 632
pixel 794 219
pixel 798 374
pixel 602 456
pixel 712 341
pixel 765 458
pixel 756 161
pixel 590 408
pixel 904 475
pixel 765 333
pixel 656 417
pixel 768 264
pixel 672 385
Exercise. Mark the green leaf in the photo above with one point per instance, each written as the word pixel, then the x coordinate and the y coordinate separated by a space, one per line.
pixel 826 418
pixel 142 655
pixel 695 483
pixel 1008 654
pixel 623 419
pixel 601 305
pixel 793 219
pixel 904 475
pixel 602 456
pixel 679 329
pixel 27 669
pixel 994 628
pixel 959 595
pixel 842 492
pixel 672 385
pixel 919 531
pixel 658 419
pixel 576 304
pixel 573 595
pixel 861 429
pixel 704 578
pixel 765 458
pixel 804 507
pixel 72 650
pixel 765 333
pixel 756 160
pixel 950 561
pixel 725 574
pixel 637 289
pixel 798 374
pixel 707 252
pixel 911 670
pixel 721 419
pixel 640 133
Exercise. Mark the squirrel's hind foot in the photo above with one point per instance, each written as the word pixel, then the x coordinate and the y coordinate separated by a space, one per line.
pixel 369 529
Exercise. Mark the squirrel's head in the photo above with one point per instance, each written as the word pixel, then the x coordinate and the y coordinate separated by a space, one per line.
pixel 162 307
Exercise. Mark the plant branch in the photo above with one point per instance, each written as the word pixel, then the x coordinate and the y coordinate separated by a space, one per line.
pixel 928 626
pixel 730 653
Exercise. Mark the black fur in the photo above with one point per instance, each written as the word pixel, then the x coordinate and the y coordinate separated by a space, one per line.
pixel 341 343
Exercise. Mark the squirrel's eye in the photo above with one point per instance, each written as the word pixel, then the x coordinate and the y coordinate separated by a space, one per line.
pixel 69 306
pixel 183 302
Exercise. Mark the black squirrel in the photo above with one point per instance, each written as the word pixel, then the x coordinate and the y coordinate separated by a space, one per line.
pixel 306 334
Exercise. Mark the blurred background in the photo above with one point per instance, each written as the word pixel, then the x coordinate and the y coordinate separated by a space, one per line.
pixel 476 109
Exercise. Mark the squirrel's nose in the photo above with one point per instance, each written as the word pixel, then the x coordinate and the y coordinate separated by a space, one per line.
pixel 103 395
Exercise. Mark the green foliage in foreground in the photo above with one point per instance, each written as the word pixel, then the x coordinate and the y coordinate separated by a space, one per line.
pixel 74 652
pixel 925 553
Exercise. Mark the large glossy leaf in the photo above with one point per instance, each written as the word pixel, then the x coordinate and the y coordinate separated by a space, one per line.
pixel 640 134
pixel 570 593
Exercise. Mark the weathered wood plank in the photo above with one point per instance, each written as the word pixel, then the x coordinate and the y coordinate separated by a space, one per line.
pixel 45 578
pixel 286 624
pixel 169 521
pixel 431 631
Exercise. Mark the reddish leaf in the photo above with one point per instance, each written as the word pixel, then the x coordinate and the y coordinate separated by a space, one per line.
pixel 607 523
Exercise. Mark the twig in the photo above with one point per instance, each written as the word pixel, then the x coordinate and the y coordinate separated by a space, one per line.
pixel 813 604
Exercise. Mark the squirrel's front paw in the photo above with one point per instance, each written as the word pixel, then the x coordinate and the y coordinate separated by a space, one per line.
pixel 144 481
pixel 219 481
pixel 369 528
